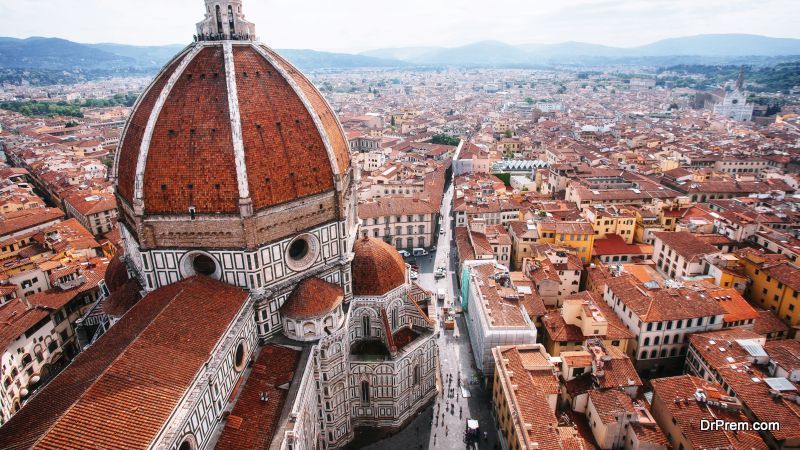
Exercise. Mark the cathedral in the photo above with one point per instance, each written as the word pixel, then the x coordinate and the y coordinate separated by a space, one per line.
pixel 734 106
pixel 258 317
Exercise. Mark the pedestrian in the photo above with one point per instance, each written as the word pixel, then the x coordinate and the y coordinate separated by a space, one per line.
pixel 485 436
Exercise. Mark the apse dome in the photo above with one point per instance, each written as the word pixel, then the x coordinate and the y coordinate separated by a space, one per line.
pixel 377 268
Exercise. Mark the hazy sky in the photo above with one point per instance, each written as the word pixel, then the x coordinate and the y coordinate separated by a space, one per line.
pixel 357 25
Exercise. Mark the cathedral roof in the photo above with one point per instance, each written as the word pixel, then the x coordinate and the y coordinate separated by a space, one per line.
pixel 226 123
pixel 312 298
pixel 122 389
pixel 377 267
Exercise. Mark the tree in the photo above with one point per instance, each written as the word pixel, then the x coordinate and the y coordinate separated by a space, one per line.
pixel 445 139
pixel 529 101
pixel 508 134
pixel 393 121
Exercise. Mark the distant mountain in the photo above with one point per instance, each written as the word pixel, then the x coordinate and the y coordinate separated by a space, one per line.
pixel 53 54
pixel 312 59
pixel 721 45
pixel 56 54
pixel 716 48
pixel 146 56
pixel 59 54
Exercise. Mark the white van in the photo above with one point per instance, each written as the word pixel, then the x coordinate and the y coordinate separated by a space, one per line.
pixel 441 294
pixel 419 252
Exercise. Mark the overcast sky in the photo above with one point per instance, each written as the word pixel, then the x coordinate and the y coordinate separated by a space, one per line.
pixel 358 25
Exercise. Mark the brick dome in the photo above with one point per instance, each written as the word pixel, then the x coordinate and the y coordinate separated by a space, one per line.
pixel 228 128
pixel 377 267
pixel 312 298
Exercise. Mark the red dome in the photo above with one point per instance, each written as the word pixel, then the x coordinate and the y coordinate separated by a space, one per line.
pixel 377 267
pixel 312 298
pixel 226 123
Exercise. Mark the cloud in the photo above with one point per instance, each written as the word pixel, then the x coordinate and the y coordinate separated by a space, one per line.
pixel 357 25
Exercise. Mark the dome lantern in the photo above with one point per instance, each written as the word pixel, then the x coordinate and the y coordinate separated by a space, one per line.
pixel 225 20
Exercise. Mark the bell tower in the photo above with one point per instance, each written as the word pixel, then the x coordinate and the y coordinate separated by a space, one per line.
pixel 225 20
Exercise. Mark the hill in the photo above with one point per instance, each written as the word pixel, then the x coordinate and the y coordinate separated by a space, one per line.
pixel 710 48
pixel 59 54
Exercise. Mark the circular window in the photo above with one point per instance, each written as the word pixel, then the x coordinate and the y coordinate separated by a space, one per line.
pixel 302 252
pixel 189 443
pixel 735 101
pixel 238 357
pixel 204 265
pixel 199 263
pixel 298 250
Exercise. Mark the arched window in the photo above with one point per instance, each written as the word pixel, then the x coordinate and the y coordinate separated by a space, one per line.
pixel 654 353
pixel 643 355
pixel 416 374
pixel 365 393
pixel 365 326
pixel 663 353
pixel 231 26
pixel 219 20
pixel 646 341
pixel 394 318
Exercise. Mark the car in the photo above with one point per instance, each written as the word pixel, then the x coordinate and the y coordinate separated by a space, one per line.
pixel 419 252
pixel 442 231
pixel 440 273
pixel 413 275
pixel 404 253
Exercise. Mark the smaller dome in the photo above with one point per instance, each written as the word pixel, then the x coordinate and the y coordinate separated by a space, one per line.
pixel 312 298
pixel 377 267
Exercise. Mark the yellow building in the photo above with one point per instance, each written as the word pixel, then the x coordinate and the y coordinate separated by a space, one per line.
pixel 612 220
pixel 775 283
pixel 576 235
pixel 582 317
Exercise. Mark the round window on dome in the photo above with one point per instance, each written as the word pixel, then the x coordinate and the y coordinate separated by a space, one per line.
pixel 238 357
pixel 298 250
pixel 188 443
pixel 199 263
pixel 302 252
pixel 204 265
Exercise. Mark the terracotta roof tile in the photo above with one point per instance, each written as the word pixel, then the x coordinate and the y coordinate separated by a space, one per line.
pixel 190 161
pixel 341 149
pixel 285 154
pixel 377 267
pixel 42 411
pixel 131 142
pixel 312 298
pixel 138 392
pixel 253 421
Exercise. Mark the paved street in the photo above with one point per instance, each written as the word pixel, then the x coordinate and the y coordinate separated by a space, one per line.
pixel 441 426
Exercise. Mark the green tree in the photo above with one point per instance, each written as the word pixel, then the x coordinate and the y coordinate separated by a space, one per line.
pixel 445 139
pixel 508 134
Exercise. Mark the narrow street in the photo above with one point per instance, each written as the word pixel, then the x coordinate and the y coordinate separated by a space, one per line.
pixel 461 396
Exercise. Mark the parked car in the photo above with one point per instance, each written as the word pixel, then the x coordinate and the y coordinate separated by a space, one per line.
pixel 442 231
pixel 441 294
pixel 419 252
pixel 440 273
pixel 404 253
pixel 414 275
